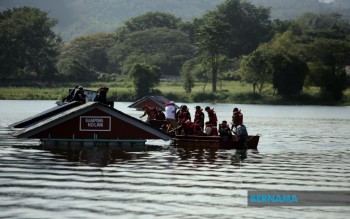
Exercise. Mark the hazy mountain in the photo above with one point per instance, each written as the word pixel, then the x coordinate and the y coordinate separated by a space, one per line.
pixel 78 17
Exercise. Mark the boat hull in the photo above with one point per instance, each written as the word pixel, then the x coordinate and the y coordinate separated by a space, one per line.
pixel 251 142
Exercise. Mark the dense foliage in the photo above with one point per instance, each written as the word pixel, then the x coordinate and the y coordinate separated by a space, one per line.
pixel 312 50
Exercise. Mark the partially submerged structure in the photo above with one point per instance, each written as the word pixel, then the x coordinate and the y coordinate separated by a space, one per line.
pixel 151 101
pixel 88 124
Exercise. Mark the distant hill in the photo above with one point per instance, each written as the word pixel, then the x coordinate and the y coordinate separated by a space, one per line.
pixel 77 17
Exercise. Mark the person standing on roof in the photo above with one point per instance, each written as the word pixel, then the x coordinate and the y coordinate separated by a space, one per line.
pixel 101 97
pixel 79 95
pixel 170 111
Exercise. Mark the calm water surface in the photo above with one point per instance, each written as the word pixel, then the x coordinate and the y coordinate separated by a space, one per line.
pixel 301 148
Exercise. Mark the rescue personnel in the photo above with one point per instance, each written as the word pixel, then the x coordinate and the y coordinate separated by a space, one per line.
pixel 199 117
pixel 183 113
pixel 224 129
pixel 242 134
pixel 160 115
pixel 211 115
pixel 211 129
pixel 188 127
pixel 237 119
pixel 101 97
pixel 150 112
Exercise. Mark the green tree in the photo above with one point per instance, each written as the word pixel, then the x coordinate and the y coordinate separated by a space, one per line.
pixel 289 73
pixel 144 78
pixel 211 40
pixel 147 21
pixel 248 26
pixel 28 46
pixel 91 51
pixel 72 70
pixel 255 68
pixel 328 59
pixel 163 47
pixel 187 77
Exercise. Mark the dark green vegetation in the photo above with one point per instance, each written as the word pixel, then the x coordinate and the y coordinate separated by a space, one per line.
pixel 282 60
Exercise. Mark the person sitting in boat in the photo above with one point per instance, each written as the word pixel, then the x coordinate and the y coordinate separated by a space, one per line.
pixel 224 129
pixel 101 97
pixel 199 117
pixel 237 119
pixel 79 95
pixel 212 116
pixel 211 129
pixel 188 127
pixel 150 112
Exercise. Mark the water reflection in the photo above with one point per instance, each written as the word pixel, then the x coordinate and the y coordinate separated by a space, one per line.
pixel 105 156
pixel 98 156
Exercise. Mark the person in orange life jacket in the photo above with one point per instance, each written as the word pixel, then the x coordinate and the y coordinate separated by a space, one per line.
pixel 211 115
pixel 237 119
pixel 199 117
pixel 189 128
pixel 183 113
pixel 150 112
pixel 211 129
pixel 160 115
pixel 224 129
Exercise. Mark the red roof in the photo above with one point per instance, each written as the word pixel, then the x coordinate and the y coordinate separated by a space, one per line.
pixel 91 121
pixel 151 101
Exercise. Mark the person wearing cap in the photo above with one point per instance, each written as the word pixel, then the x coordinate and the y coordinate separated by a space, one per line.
pixel 237 118
pixel 199 117
pixel 170 115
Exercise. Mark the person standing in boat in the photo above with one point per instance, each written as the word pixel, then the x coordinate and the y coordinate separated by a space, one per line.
pixel 170 111
pixel 237 119
pixel 199 117
pixel 212 116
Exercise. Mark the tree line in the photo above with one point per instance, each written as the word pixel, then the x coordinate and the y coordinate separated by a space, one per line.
pixel 235 41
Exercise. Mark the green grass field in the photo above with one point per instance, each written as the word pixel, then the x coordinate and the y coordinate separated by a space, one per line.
pixel 232 91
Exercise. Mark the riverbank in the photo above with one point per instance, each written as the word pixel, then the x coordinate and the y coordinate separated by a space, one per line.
pixel 228 92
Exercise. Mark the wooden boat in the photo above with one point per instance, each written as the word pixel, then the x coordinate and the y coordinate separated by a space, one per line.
pixel 224 142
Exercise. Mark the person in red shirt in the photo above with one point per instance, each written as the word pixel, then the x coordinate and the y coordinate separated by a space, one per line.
pixel 199 117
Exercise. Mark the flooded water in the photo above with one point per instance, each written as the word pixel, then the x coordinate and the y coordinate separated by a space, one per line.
pixel 304 148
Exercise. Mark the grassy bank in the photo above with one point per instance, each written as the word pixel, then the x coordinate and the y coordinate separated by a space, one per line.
pixel 228 92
